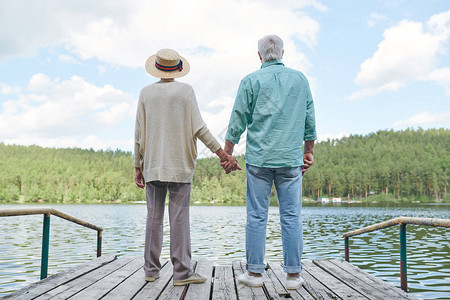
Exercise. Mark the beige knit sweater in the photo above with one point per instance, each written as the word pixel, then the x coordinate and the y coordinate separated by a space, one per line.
pixel 168 123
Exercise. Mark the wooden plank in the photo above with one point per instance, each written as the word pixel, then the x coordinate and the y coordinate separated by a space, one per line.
pixel 353 280
pixel 223 288
pixel 372 281
pixel 295 294
pixel 152 290
pixel 72 287
pixel 315 288
pixel 130 287
pixel 174 292
pixel 201 291
pixel 334 284
pixel 109 282
pixel 300 293
pixel 38 288
pixel 273 286
pixel 110 278
pixel 243 291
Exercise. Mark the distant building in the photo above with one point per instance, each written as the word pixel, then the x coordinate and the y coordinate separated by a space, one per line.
pixel 337 200
pixel 324 200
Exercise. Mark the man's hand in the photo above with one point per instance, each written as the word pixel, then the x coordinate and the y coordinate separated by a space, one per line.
pixel 139 179
pixel 308 156
pixel 308 160
pixel 229 146
pixel 229 164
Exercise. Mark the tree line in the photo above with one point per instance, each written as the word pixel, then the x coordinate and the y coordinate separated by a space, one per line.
pixel 396 165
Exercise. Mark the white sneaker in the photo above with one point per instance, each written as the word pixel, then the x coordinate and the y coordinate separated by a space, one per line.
pixel 293 283
pixel 249 280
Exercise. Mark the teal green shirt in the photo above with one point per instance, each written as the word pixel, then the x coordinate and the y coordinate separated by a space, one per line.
pixel 276 106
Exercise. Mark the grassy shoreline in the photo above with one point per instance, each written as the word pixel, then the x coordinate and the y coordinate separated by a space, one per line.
pixel 375 199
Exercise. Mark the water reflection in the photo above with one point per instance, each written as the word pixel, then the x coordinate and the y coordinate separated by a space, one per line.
pixel 218 234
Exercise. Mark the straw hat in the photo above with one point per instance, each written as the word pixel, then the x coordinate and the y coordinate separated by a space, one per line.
pixel 167 63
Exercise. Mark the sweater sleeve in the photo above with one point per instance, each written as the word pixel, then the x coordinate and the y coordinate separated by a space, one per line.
pixel 139 134
pixel 199 128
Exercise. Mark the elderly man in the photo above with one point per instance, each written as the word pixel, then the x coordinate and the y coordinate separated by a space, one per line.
pixel 168 123
pixel 275 105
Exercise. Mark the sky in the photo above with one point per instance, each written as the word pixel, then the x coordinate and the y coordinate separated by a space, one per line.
pixel 71 71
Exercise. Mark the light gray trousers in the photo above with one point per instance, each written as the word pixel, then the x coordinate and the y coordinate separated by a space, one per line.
pixel 180 235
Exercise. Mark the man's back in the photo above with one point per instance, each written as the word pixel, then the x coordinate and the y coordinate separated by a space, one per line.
pixel 276 107
pixel 279 115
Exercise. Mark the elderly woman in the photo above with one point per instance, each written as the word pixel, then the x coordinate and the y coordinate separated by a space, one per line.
pixel 168 123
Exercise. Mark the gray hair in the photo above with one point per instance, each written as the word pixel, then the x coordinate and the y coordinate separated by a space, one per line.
pixel 270 47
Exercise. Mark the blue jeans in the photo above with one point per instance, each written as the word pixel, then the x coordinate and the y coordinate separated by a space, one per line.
pixel 288 183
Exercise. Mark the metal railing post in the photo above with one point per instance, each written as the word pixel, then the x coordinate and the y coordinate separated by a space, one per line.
pixel 99 243
pixel 403 267
pixel 347 250
pixel 45 246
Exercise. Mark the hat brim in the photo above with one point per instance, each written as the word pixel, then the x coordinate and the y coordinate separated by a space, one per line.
pixel 152 70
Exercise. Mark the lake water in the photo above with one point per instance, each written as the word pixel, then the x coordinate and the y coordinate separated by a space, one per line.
pixel 218 234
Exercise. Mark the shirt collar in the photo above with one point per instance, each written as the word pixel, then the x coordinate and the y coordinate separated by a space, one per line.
pixel 271 63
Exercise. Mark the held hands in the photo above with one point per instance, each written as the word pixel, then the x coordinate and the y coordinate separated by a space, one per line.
pixel 308 160
pixel 229 164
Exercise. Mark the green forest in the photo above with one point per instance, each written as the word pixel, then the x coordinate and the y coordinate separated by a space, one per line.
pixel 409 165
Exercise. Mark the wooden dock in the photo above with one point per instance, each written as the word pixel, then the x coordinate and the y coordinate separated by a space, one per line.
pixel 109 277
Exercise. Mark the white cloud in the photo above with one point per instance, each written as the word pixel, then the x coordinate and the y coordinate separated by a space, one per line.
pixel 426 118
pixel 28 26
pixel 67 59
pixel 409 52
pixel 219 38
pixel 218 121
pixel 392 2
pixel 226 102
pixel 97 143
pixel 101 69
pixel 6 89
pixel 296 4
pixel 65 111
pixel 113 31
pixel 226 27
pixel 331 136
pixel 442 77
pixel 375 18
pixel 88 142
pixel 113 114
pixel 39 83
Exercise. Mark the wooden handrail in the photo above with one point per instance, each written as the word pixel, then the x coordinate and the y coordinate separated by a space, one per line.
pixel 9 212
pixel 47 211
pixel 400 220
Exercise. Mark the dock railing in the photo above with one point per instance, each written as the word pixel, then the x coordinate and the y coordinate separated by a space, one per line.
pixel 47 211
pixel 402 221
